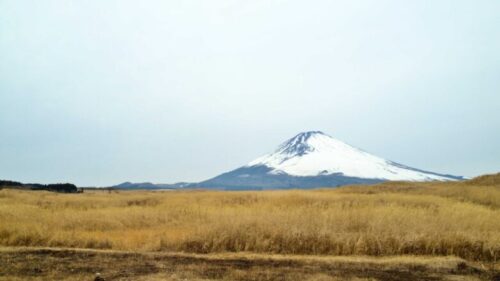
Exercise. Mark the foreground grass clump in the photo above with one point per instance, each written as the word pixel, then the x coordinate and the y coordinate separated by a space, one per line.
pixel 459 219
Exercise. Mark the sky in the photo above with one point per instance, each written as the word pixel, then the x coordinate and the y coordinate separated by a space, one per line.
pixel 101 92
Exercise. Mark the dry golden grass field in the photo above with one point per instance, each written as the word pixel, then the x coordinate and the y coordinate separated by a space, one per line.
pixel 397 221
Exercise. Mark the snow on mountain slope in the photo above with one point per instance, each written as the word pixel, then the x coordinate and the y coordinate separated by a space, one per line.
pixel 316 154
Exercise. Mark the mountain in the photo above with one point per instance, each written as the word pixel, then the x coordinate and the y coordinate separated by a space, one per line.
pixel 314 159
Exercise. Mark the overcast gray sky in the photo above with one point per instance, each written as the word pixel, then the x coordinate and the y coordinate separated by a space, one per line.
pixel 101 92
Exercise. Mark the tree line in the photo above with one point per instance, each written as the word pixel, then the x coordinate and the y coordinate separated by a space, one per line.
pixel 57 187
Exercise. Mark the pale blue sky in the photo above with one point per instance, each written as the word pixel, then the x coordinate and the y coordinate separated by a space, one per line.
pixel 101 92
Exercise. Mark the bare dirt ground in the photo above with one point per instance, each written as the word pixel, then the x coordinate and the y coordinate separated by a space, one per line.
pixel 78 264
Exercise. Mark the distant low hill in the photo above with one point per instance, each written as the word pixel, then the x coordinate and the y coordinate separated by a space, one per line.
pixel 149 185
pixel 58 187
pixel 493 179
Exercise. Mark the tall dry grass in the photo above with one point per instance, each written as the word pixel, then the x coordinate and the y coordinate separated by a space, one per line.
pixel 390 219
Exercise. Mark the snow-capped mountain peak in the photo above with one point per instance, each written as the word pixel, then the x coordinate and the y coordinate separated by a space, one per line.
pixel 315 153
pixel 299 145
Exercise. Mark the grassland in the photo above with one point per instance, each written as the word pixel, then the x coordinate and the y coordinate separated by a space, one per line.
pixel 385 220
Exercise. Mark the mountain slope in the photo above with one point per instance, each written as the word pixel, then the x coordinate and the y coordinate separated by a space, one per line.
pixel 314 159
